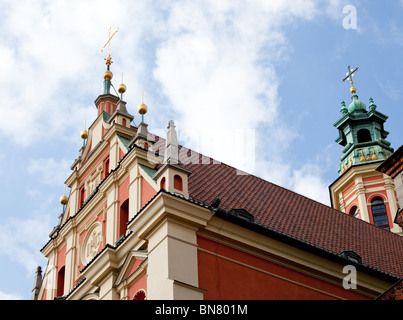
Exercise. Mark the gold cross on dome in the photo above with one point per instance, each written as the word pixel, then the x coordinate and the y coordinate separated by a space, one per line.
pixel 108 43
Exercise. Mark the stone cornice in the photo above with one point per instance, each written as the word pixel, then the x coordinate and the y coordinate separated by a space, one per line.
pixel 163 206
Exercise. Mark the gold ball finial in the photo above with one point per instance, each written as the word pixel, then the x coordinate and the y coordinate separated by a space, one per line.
pixel 108 75
pixel 64 199
pixel 84 134
pixel 122 88
pixel 142 109
pixel 353 89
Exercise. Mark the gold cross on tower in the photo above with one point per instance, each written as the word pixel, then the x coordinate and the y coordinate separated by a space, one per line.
pixel 108 43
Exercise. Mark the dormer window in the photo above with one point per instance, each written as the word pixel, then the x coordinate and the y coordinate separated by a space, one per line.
pixel 351 255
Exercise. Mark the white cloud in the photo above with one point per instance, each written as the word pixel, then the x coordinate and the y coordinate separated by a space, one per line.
pixel 52 58
pixel 10 296
pixel 307 181
pixel 21 238
pixel 214 63
pixel 50 171
pixel 334 9
pixel 216 66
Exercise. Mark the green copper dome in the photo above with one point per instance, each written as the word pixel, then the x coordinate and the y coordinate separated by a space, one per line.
pixel 356 106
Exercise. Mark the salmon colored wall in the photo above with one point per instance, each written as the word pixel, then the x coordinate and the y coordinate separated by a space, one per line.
pixel 375 185
pixel 90 170
pixel 124 190
pixel 44 294
pixel 223 279
pixel 107 105
pixel 101 107
pixel 373 178
pixel 141 283
pixel 134 266
pixel 147 192
pixel 103 220
pixel 345 192
pixel 123 195
pixel 61 258
pixel 381 194
pixel 104 130
pixel 352 196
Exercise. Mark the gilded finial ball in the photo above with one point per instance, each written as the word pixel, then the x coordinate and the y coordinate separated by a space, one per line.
pixel 142 109
pixel 84 134
pixel 353 90
pixel 122 88
pixel 108 75
pixel 63 200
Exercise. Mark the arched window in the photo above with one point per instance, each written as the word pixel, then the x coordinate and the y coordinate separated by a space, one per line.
pixel 163 183
pixel 124 122
pixel 82 196
pixel 363 135
pixel 60 282
pixel 178 185
pixel 106 168
pixel 355 212
pixel 123 218
pixel 140 295
pixel 379 214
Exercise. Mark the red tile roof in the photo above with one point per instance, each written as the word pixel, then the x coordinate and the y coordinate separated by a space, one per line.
pixel 299 217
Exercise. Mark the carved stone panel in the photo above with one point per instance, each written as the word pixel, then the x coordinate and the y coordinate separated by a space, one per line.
pixel 91 244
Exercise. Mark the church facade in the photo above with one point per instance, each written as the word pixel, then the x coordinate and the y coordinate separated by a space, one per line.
pixel 146 218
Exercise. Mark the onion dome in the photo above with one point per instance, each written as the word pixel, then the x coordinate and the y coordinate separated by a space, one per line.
pixel 356 106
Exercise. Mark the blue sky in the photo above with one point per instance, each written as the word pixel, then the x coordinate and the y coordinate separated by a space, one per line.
pixel 271 68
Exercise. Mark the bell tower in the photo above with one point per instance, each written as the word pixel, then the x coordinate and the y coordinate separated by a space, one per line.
pixel 361 190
